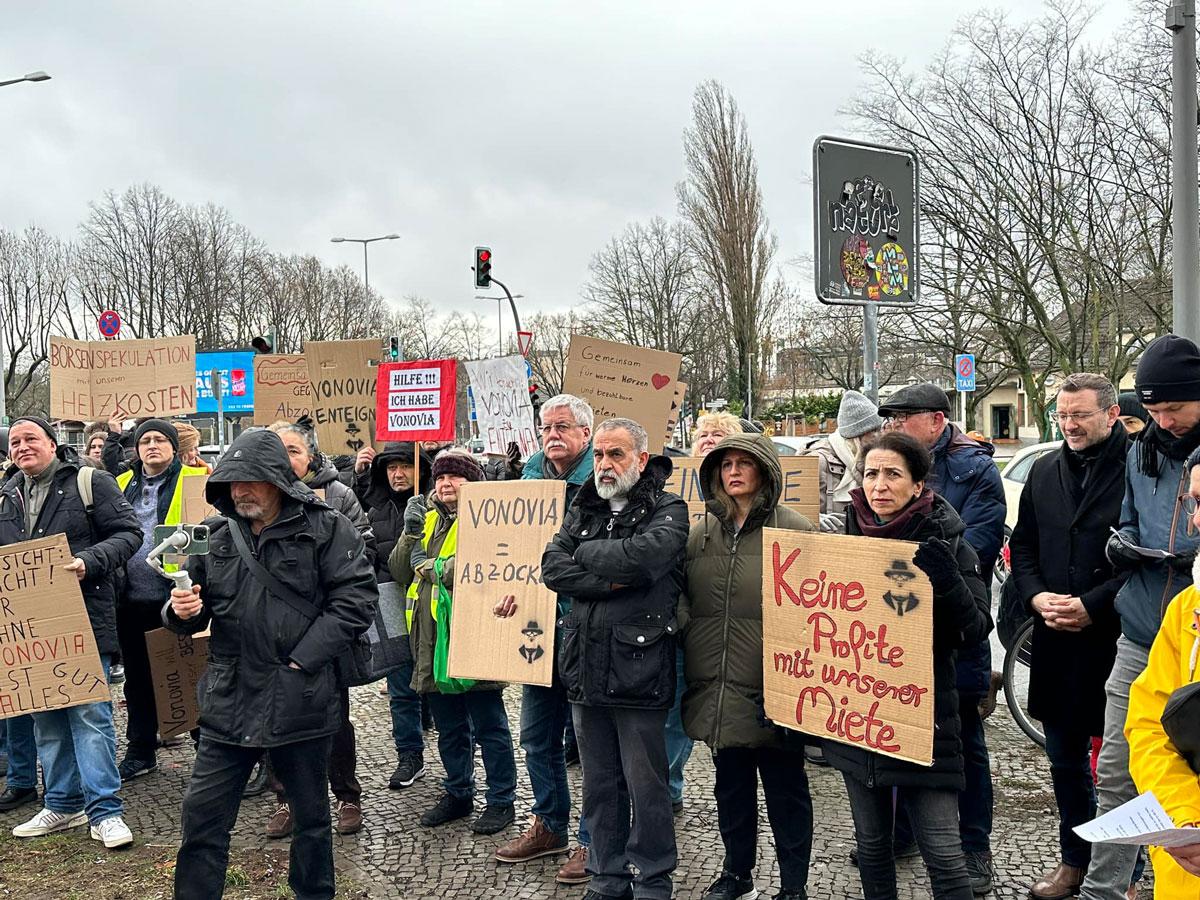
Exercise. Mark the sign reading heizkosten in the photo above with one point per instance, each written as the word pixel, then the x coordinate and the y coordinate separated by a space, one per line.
pixel 866 227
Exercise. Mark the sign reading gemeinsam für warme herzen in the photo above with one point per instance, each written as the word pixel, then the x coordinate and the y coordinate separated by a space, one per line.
pixel 866 205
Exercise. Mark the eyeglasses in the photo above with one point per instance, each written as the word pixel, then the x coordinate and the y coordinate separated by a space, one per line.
pixel 560 427
pixel 1190 504
pixel 1064 418
pixel 899 418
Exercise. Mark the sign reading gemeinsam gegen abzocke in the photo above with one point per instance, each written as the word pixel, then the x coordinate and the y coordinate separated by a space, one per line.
pixel 866 223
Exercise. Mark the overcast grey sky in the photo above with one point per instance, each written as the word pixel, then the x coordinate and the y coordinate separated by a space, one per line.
pixel 540 128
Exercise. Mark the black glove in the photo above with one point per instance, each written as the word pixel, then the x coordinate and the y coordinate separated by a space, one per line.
pixel 414 515
pixel 1123 557
pixel 935 559
pixel 514 461
pixel 1182 562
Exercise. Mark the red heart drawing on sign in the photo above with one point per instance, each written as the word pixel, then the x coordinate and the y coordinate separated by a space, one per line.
pixel 659 381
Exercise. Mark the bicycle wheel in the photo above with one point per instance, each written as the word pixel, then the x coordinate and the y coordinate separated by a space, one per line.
pixel 1016 684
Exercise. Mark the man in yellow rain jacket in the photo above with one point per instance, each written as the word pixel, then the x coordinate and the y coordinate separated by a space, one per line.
pixel 1154 762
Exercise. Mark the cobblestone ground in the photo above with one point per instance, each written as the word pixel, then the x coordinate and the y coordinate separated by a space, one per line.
pixel 395 857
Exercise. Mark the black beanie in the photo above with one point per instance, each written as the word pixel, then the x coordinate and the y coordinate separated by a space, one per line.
pixel 40 423
pixel 163 427
pixel 1169 371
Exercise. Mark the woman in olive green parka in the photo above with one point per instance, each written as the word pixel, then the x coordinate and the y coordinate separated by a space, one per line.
pixel 720 616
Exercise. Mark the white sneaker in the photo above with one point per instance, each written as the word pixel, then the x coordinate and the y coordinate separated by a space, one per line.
pixel 47 822
pixel 113 832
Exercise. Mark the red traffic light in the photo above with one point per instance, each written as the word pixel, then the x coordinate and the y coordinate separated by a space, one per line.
pixel 484 255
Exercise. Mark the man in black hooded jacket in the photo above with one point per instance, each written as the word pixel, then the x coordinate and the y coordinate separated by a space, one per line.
pixel 271 682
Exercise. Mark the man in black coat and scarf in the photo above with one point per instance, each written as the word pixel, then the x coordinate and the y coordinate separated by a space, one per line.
pixel 1070 502
pixel 287 586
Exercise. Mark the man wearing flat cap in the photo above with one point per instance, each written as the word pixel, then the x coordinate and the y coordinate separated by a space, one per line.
pixel 964 473
pixel 154 488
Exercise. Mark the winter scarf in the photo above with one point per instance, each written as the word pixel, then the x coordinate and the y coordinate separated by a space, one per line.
pixel 1155 441
pixel 870 525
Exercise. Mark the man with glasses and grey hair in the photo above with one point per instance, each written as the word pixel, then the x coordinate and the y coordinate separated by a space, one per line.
pixel 964 473
pixel 619 557
pixel 1070 503
pixel 1152 516
pixel 566 455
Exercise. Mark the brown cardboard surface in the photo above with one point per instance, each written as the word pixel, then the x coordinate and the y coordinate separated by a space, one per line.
pixel 176 663
pixel 342 375
pixel 195 507
pixel 799 485
pixel 95 380
pixel 48 657
pixel 503 527
pixel 676 409
pixel 848 641
pixel 620 380
pixel 281 388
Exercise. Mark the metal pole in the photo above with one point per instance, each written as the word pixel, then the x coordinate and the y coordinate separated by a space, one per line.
pixel 1185 217
pixel 499 328
pixel 511 302
pixel 749 386
pixel 871 352
pixel 366 276
pixel 3 379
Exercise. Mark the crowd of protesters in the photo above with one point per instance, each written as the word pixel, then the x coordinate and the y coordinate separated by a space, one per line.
pixel 659 636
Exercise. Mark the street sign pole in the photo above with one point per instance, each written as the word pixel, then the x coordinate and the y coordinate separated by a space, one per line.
pixel 3 378
pixel 1185 217
pixel 871 352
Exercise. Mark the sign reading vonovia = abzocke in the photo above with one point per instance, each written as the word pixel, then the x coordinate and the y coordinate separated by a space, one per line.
pixel 865 217
pixel 416 400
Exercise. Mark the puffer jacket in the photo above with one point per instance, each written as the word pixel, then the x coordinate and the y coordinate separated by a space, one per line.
pixel 104 540
pixel 385 507
pixel 720 613
pixel 249 695
pixel 342 498
pixel 1152 516
pixel 961 618
pixel 1154 763
pixel 622 572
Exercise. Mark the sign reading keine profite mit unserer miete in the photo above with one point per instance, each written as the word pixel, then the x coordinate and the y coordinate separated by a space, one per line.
pixel 416 400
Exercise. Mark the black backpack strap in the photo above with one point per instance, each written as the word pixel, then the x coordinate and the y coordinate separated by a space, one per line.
pixel 263 577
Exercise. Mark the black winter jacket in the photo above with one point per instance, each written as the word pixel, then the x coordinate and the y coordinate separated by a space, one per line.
pixel 961 618
pixel 623 573
pixel 385 507
pixel 105 540
pixel 249 695
pixel 339 496
pixel 1058 546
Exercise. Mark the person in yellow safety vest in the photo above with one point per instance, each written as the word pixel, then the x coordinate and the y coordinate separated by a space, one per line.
pixel 154 487
pixel 424 559
pixel 1155 763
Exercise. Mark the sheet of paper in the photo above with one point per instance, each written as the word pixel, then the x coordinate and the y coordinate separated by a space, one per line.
pixel 1140 821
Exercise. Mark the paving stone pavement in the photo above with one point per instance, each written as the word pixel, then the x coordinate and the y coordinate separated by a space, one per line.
pixel 393 857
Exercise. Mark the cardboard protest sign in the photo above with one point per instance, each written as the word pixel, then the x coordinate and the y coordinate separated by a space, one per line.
pixel 676 409
pixel 503 527
pixel 342 378
pixel 95 380
pixel 848 641
pixel 48 657
pixel 502 408
pixel 620 380
pixel 416 400
pixel 800 490
pixel 196 507
pixel 176 663
pixel 281 388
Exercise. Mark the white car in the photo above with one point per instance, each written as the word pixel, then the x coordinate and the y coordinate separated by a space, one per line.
pixel 794 446
pixel 1014 476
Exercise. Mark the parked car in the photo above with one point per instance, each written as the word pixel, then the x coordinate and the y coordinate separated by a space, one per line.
pixel 476 446
pixel 794 446
pixel 1014 476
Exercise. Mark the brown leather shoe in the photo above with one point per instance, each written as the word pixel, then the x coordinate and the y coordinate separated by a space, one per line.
pixel 536 841
pixel 349 818
pixel 280 823
pixel 1132 893
pixel 1061 882
pixel 574 871
pixel 987 704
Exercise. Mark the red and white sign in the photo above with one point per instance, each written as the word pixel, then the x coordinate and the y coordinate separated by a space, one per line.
pixel 109 323
pixel 414 401
pixel 524 342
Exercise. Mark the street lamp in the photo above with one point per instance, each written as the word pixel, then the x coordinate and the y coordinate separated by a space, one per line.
pixel 32 76
pixel 364 242
pixel 500 318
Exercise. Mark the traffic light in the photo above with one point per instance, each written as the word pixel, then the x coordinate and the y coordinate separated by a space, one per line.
pixel 483 267
pixel 264 343
pixel 535 399
pixel 394 348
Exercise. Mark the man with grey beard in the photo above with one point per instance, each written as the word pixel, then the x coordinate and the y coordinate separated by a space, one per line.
pixel 619 558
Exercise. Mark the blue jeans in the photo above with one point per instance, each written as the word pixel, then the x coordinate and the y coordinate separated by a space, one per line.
pixel 679 745
pixel 405 704
pixel 78 747
pixel 456 715
pixel 934 817
pixel 22 752
pixel 544 716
